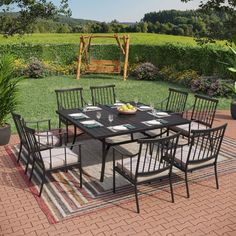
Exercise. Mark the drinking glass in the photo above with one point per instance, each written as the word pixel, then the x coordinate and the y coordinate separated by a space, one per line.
pixel 98 115
pixel 117 100
pixel 136 101
pixel 110 117
pixel 154 112
pixel 151 105
pixel 85 109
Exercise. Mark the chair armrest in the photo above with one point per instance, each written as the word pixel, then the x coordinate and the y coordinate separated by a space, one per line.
pixel 123 153
pixel 186 112
pixel 49 139
pixel 38 122
pixel 162 102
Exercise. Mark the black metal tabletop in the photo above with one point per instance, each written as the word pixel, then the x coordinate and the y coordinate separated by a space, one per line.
pixel 119 119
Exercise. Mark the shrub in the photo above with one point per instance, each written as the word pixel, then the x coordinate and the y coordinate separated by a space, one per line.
pixel 170 74
pixel 186 77
pixel 211 86
pixel 19 67
pixel 146 71
pixel 35 68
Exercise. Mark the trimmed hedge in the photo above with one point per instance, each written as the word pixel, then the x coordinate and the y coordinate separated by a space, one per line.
pixel 205 60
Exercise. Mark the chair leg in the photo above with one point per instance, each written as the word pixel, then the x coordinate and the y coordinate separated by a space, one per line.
pixel 60 135
pixel 136 198
pixel 32 170
pixel 186 182
pixel 171 190
pixel 217 183
pixel 27 165
pixel 67 135
pixel 74 138
pixel 114 181
pixel 27 162
pixel 43 180
pixel 81 173
pixel 114 173
pixel 19 154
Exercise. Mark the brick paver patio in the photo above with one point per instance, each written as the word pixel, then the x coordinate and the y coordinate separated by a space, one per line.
pixel 207 212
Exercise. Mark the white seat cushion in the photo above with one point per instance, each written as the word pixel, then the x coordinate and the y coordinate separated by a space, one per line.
pixel 155 132
pixel 181 156
pixel 150 165
pixel 194 126
pixel 47 138
pixel 58 157
pixel 124 137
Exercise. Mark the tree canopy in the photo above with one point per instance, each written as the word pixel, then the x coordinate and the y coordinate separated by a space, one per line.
pixel 221 6
pixel 28 12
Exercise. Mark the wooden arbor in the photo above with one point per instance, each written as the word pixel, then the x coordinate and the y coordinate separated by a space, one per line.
pixel 103 66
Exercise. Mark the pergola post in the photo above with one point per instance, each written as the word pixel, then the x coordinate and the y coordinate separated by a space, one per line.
pixel 126 39
pixel 81 45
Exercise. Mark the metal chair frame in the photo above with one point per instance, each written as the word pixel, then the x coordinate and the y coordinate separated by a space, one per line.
pixel 20 126
pixel 154 157
pixel 69 99
pixel 37 158
pixel 204 146
pixel 103 95
pixel 175 102
pixel 204 110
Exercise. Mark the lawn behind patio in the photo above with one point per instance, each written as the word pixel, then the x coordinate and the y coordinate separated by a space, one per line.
pixel 38 99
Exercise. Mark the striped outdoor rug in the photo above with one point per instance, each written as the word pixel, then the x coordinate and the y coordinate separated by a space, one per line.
pixel 62 198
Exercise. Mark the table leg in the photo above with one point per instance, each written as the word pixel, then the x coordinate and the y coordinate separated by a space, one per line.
pixel 105 148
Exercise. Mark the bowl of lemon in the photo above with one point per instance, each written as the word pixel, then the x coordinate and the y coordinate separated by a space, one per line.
pixel 127 109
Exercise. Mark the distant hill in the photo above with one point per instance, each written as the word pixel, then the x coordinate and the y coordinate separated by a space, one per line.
pixel 73 21
pixel 60 19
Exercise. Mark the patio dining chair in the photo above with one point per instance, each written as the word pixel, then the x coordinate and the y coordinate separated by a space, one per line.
pixel 69 99
pixel 154 160
pixel 42 138
pixel 175 102
pixel 103 95
pixel 202 152
pixel 52 158
pixel 202 115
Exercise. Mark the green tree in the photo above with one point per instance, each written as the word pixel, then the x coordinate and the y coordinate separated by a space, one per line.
pixel 222 7
pixel 29 12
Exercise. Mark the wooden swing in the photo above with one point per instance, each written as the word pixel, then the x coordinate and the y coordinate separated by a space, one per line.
pixel 103 66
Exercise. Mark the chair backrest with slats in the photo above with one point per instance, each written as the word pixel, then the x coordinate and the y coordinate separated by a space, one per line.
pixel 19 123
pixel 102 95
pixel 176 101
pixel 69 98
pixel 156 155
pixel 34 146
pixel 205 144
pixel 204 110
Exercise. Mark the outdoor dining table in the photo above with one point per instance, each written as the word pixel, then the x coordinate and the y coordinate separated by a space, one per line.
pixel 135 123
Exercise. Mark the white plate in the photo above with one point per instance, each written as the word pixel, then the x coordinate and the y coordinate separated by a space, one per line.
pixel 153 122
pixel 118 104
pixel 77 115
pixel 144 107
pixel 88 122
pixel 92 108
pixel 162 114
pixel 119 127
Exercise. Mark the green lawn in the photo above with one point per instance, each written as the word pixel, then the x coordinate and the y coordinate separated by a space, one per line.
pixel 135 38
pixel 38 100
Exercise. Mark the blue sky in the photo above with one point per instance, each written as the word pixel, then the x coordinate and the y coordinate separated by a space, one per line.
pixel 123 10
